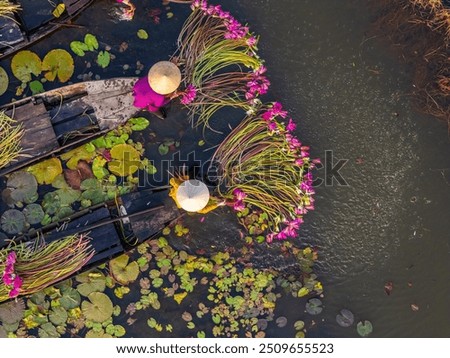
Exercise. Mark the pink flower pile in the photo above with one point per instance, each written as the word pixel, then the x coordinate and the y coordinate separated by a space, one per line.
pixel 189 94
pixel 9 277
pixel 258 85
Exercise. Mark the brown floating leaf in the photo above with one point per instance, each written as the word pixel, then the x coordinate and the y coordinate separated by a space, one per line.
pixel 388 286
pixel 410 284
pixel 186 316
pixel 74 177
pixel 414 307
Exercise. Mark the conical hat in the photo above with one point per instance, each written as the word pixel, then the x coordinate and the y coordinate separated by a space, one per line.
pixel 164 77
pixel 192 195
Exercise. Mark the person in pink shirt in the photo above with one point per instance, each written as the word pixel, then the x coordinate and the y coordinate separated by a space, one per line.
pixel 158 88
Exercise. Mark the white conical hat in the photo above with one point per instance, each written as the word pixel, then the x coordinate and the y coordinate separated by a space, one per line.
pixel 192 195
pixel 164 77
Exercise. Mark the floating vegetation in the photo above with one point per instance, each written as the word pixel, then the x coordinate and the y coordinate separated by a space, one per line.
pixel 58 63
pixel 345 318
pixel 266 173
pixel 46 171
pixel 13 221
pixel 421 30
pixel 7 9
pixel 22 188
pixel 4 81
pixel 11 134
pixel 364 328
pixel 231 300
pixel 28 269
pixel 219 63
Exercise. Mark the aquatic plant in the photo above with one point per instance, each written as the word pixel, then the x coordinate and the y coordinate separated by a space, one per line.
pixel 219 63
pixel 421 30
pixel 41 265
pixel 11 134
pixel 265 168
pixel 7 9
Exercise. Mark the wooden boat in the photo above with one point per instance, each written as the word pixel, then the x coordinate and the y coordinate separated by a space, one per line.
pixel 68 116
pixel 56 121
pixel 15 34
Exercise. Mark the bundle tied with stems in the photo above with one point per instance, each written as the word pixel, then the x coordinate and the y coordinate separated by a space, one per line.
pixel 219 63
pixel 264 168
pixel 10 137
pixel 25 270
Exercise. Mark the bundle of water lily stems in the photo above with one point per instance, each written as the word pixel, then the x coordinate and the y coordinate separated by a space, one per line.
pixel 7 8
pixel 10 136
pixel 219 63
pixel 420 29
pixel 265 168
pixel 25 270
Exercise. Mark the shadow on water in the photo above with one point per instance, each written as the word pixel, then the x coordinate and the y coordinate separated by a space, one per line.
pixel 350 96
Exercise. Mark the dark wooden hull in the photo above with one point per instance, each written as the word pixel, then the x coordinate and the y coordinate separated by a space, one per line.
pixel 15 37
pixel 62 118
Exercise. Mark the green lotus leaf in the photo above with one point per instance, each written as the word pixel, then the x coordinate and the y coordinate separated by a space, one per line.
pixel 62 213
pixel 90 184
pixel 13 221
pixel 364 328
pixel 299 325
pixel 103 59
pixel 142 34
pixel 345 318
pixel 95 196
pixel 123 272
pixel 101 334
pixel 38 298
pixel 139 123
pixel 36 87
pixel 99 309
pixel 98 167
pixel 48 330
pixel 11 312
pixel 58 63
pixel 119 331
pixel 92 281
pixel 314 306
pixel 75 155
pixel 58 316
pixel 79 48
pixel 24 64
pixel 4 81
pixel 91 42
pixel 60 182
pixel 70 298
pixel 33 213
pixel 126 160
pixel 46 171
pixel 51 203
pixel 68 196
pixel 163 149
pixel 3 333
pixel 22 185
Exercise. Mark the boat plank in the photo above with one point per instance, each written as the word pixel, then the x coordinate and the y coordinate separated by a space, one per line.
pixel 39 136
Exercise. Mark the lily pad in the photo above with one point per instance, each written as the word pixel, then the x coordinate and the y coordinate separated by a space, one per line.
pixel 101 334
pixel 4 81
pixel 46 171
pixel 62 213
pixel 51 203
pixel 58 316
pixel 299 325
pixel 95 196
pixel 281 321
pixel 126 160
pixel 24 64
pixel 364 328
pixel 99 309
pixel 75 155
pixel 68 196
pixel 13 221
pixel 22 185
pixel 142 34
pixel 48 330
pixel 11 312
pixel 139 123
pixel 70 298
pixel 163 149
pixel 79 48
pixel 33 213
pixel 91 42
pixel 345 318
pixel 58 63
pixel 103 59
pixel 36 87
pixel 314 306
pixel 98 167
pixel 123 272
pixel 92 281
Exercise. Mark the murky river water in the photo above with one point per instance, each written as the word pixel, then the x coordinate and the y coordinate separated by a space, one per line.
pixel 352 97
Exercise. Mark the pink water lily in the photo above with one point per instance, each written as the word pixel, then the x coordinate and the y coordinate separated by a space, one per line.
pixel 239 194
pixel 189 94
pixel 291 126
